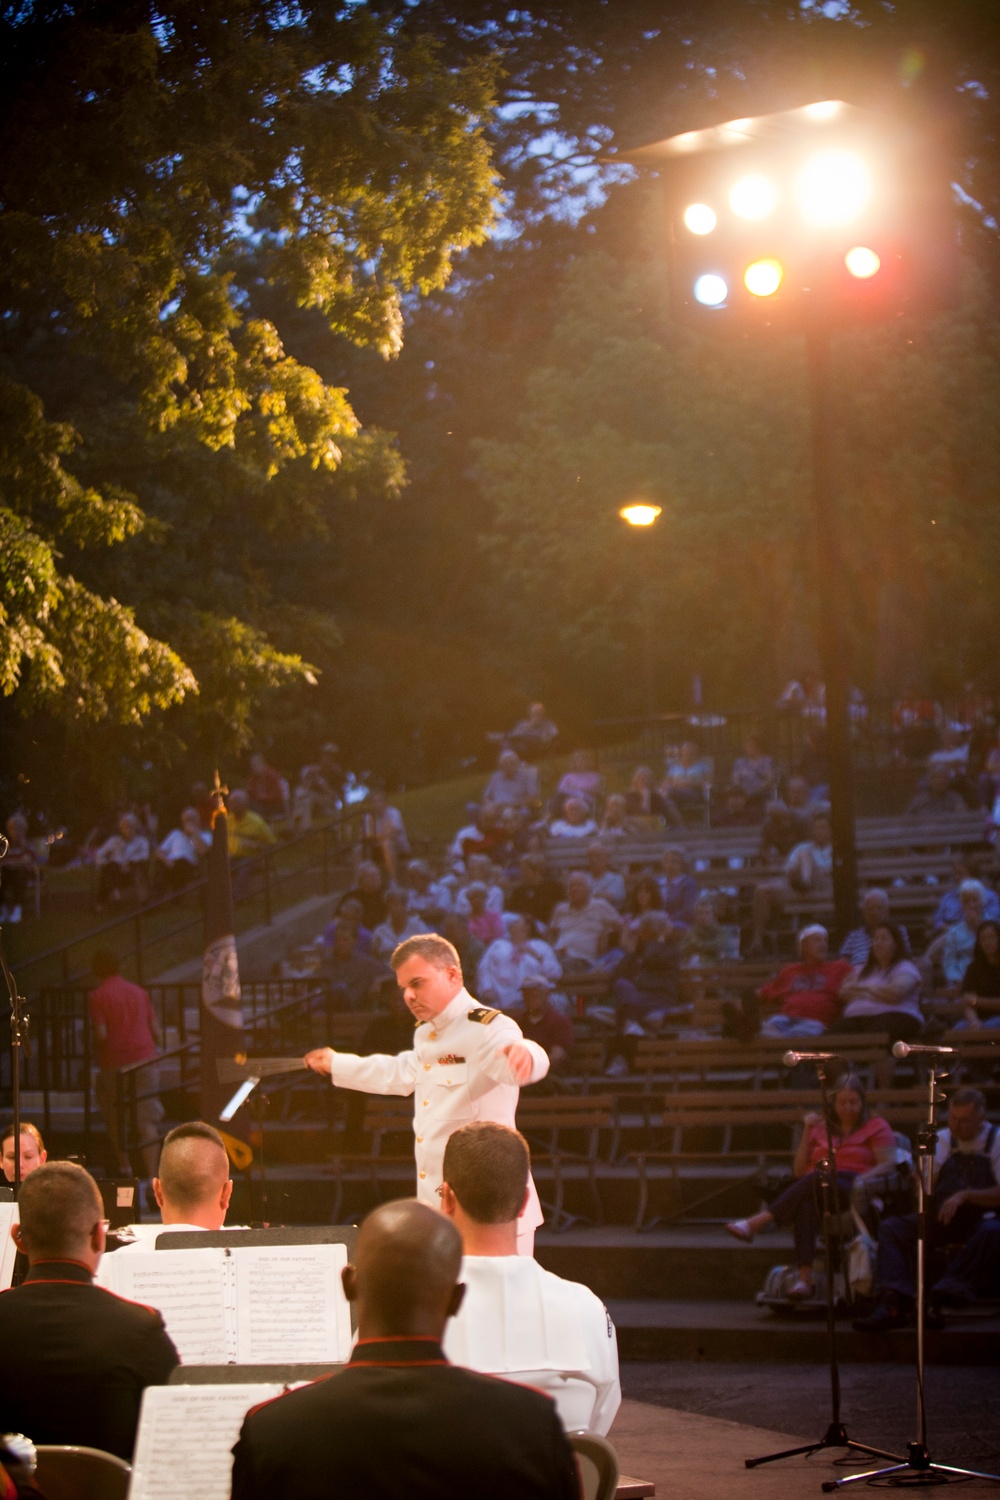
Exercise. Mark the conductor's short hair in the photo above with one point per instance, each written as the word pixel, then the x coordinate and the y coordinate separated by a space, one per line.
pixel 486 1165
pixel 436 950
pixel 59 1206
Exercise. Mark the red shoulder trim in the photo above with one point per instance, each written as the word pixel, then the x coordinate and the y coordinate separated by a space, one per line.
pixel 399 1338
pixel 282 1394
pixel 395 1364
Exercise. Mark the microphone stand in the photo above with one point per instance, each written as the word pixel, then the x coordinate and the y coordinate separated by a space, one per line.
pixel 836 1435
pixel 919 1467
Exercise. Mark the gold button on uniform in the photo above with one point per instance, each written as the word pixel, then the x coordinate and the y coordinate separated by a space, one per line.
pixel 427 1067
pixel 420 1140
pixel 425 1103
pixel 423 1174
pixel 434 1036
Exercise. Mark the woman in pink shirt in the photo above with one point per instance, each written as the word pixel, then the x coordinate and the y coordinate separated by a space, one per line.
pixel 860 1142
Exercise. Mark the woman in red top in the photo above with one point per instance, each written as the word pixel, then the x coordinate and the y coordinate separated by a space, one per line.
pixel 860 1142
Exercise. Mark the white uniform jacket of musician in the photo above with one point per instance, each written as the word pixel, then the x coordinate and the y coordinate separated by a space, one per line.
pixel 456 1072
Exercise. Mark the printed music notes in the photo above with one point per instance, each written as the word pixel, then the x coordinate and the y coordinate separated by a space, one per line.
pixel 186 1435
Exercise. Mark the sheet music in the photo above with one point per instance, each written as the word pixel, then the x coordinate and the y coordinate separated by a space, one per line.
pixel 291 1304
pixel 193 1291
pixel 8 1250
pixel 186 1434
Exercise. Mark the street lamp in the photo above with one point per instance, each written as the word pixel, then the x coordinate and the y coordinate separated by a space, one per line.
pixel 640 515
pixel 810 220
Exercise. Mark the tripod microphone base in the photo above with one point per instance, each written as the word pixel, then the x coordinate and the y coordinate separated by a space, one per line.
pixel 834 1437
pixel 918 1466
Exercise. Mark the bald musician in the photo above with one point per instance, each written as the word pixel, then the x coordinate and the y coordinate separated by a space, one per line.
pixel 399 1421
pixel 467 1063
pixel 193 1188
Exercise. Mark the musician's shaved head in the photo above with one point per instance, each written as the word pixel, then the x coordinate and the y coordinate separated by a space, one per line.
pixel 193 1186
pixel 405 1273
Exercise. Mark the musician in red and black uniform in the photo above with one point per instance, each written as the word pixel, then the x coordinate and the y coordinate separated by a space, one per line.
pixel 399 1422
pixel 74 1358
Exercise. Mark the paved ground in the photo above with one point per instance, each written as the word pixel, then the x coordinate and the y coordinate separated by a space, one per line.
pixel 878 1404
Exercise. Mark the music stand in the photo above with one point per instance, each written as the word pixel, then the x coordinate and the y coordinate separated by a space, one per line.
pixel 248 1076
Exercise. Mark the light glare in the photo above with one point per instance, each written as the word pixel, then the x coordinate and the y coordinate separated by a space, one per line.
pixel 640 514
pixel 833 188
pixel 753 197
pixel 824 110
pixel 763 277
pixel 710 290
pixel 699 218
pixel 862 262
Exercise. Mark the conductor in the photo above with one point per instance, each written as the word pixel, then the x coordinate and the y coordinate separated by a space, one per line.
pixel 467 1063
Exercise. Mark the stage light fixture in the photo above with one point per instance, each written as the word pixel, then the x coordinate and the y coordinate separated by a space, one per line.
pixel 833 188
pixel 753 196
pixel 862 262
pixel 762 278
pixel 700 218
pixel 710 290
pixel 640 514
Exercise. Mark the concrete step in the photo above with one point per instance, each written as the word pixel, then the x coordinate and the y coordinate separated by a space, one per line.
pixel 676 1263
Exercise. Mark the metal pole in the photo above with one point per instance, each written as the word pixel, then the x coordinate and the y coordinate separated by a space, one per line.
pixel 832 649
pixel 647 648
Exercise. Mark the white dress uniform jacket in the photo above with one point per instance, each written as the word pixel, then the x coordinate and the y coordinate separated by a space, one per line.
pixel 524 1324
pixel 456 1072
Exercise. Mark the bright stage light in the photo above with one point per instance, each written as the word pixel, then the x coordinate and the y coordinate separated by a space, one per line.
pixel 763 277
pixel 699 218
pixel 753 197
pixel 824 110
pixel 710 290
pixel 640 514
pixel 833 187
pixel 862 262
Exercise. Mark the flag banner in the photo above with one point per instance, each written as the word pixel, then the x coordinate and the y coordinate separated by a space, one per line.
pixel 222 1036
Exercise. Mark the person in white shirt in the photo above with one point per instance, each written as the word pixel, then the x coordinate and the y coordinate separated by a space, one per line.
pixel 479 868
pixel 180 854
pixel 607 883
pixel 122 863
pixel 506 962
pixel 575 823
pixel 400 923
pixel 192 1190
pixel 516 1319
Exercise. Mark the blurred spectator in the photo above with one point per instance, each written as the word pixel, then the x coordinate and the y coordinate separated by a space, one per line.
pixel 484 924
pixel 937 798
pixel 677 885
pixel 988 783
pixel 809 991
pixel 511 836
pixel 536 893
pixel 368 891
pixel 332 769
pixel 808 869
pixel 688 782
pixel 707 941
pixel 18 870
pixel 916 722
pixel 540 1021
pixel 781 831
pixel 179 856
pixel 802 799
pixel 477 836
pixel 813 764
pixel 980 986
pixel 532 737
pixel 351 910
pixel 613 825
pixel 123 864
pixel 383 833
pixel 479 867
pixel 737 811
pixel 582 924
pixel 642 800
pixel 646 980
pixel 960 938
pixel 646 896
pixel 248 832
pixel 508 959
pixel 581 780
pixel 607 882
pixel 203 801
pixel 355 978
pixel 266 789
pixel 312 798
pixel 470 950
pixel 952 753
pixel 806 693
pixel 429 898
pixel 513 784
pixel 575 823
pixel 875 912
pixel 753 772
pixel 126 1031
pixel 949 908
pixel 400 923
pixel 884 994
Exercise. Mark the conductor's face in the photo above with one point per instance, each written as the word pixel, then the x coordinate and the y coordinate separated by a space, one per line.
pixel 426 989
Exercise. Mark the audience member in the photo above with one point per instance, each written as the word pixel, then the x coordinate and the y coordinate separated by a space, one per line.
pixel 916 722
pixel 181 854
pixel 384 839
pixel 646 984
pixel 960 938
pixel 808 869
pixel 470 950
pixel 582 924
pixel 351 911
pixel 400 923
pixel 803 800
pixel 541 1022
pixel 646 896
pixel 479 867
pixel 875 912
pixel 861 1142
pixel 126 1031
pixel 575 823
pixel 367 890
pixel 614 825
pixel 314 797
pixel 33 1153
pixel 688 782
pixel 247 831
pixel 400 1420
pixel 679 888
pixel 581 780
pixel 966 1185
pixel 949 908
pixel 607 883
pixel 737 810
pixel 536 893
pixel 266 789
pixel 123 863
pixel 517 1320
pixel 707 940
pixel 809 991
pixel 781 830
pixel 513 784
pixel 354 977
pixel 937 798
pixel 533 737
pixel 429 898
pixel 642 800
pixel 980 985
pixel 484 924
pixel 508 959
pixel 74 1358
pixel 753 772
pixel 884 994
pixel 477 836
pixel 192 1189
pixel 973 1272
pixel 19 869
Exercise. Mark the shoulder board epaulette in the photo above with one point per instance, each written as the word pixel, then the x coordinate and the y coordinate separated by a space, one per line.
pixel 483 1015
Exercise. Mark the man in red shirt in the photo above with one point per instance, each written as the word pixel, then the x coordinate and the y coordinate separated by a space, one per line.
pixel 126 1031
pixel 809 991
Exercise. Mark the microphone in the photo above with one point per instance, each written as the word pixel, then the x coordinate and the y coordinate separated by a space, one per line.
pixel 791 1058
pixel 903 1049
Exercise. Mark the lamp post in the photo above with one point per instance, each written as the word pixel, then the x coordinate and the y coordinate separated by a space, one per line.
pixel 640 515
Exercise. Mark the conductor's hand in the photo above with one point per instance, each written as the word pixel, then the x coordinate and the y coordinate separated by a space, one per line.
pixel 520 1059
pixel 320 1059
